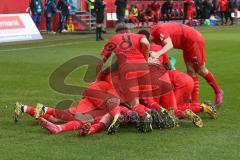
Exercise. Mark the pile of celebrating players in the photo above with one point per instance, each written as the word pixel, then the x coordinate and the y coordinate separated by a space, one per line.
pixel 141 88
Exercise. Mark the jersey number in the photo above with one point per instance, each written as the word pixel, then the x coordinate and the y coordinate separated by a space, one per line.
pixel 126 42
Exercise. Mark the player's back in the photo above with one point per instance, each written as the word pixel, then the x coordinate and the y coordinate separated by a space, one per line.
pixel 180 34
pixel 127 47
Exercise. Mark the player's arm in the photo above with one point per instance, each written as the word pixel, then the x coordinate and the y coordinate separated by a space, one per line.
pixel 145 46
pixel 168 45
pixel 105 54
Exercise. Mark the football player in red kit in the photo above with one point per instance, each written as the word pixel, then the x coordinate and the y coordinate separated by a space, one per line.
pixel 190 11
pixel 131 51
pixel 155 6
pixel 182 87
pixel 179 36
pixel 99 99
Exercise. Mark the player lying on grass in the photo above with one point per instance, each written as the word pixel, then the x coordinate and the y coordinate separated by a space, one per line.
pixel 179 36
pixel 99 99
pixel 93 108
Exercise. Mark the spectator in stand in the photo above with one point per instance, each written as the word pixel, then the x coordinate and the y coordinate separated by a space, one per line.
pixel 127 13
pixel 207 7
pixel 222 5
pixel 141 16
pixel 190 11
pixel 99 6
pixel 166 10
pixel 214 7
pixel 198 5
pixel 63 7
pixel 148 14
pixel 133 16
pixel 155 11
pixel 120 9
pixel 36 9
pixel 185 10
pixel 91 7
pixel 230 11
pixel 238 4
pixel 50 11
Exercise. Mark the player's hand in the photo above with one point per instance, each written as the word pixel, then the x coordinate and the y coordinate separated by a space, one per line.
pixel 152 60
pixel 153 54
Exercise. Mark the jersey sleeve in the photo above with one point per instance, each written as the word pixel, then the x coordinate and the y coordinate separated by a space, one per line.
pixel 108 49
pixel 159 34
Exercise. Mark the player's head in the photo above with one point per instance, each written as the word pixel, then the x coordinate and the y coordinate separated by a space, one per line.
pixel 144 32
pixel 121 28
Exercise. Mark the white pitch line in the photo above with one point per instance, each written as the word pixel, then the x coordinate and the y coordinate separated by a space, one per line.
pixel 46 46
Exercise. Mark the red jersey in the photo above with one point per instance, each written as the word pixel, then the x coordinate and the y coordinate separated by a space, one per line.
pixel 127 48
pixel 163 59
pixel 222 5
pixel 95 96
pixel 98 92
pixel 191 5
pixel 182 36
pixel 155 6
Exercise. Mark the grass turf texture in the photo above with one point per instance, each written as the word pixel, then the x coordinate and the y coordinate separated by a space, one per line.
pixel 24 73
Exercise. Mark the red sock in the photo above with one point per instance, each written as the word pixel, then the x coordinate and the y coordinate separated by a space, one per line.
pixel 30 110
pixel 69 126
pixel 195 107
pixel 140 109
pixel 212 81
pixel 195 92
pixel 115 111
pixel 50 110
pixel 179 113
pixel 98 127
pixel 63 115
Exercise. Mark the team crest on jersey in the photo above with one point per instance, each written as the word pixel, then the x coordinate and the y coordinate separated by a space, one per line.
pixel 161 36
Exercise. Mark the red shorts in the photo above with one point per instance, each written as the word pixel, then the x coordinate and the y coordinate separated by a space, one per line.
pixel 85 105
pixel 183 86
pixel 190 14
pixel 195 53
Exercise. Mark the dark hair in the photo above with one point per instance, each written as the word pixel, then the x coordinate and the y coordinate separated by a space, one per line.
pixel 121 27
pixel 144 32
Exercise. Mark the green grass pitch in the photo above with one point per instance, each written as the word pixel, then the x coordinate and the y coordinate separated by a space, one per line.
pixel 24 76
